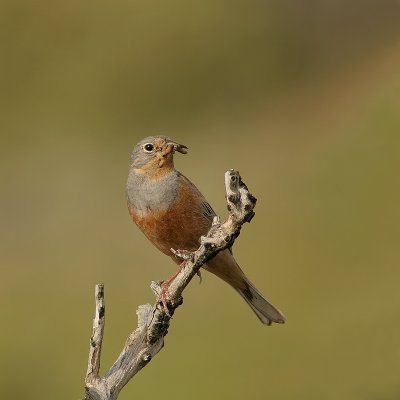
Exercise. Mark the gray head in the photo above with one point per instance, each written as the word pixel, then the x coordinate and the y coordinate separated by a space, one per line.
pixel 155 152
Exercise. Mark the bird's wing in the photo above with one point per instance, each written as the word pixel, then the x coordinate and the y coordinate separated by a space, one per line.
pixel 207 210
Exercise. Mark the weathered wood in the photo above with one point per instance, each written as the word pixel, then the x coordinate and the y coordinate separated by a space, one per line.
pixel 153 321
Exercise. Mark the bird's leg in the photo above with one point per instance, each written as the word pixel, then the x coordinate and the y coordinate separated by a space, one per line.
pixel 164 288
pixel 184 255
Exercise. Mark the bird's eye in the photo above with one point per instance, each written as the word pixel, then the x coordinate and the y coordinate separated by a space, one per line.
pixel 148 147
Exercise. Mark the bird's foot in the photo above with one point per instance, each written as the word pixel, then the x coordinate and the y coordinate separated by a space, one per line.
pixel 183 254
pixel 166 301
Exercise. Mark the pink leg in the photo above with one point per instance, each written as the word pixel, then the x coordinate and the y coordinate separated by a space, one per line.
pixel 164 288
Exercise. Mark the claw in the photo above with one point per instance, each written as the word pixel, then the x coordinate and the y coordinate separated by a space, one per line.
pixel 164 297
pixel 183 254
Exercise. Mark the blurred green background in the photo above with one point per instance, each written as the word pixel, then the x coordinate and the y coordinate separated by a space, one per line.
pixel 302 97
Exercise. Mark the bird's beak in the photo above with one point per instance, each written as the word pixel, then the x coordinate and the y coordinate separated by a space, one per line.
pixel 181 148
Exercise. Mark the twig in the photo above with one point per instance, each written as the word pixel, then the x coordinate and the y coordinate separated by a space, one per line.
pixel 96 341
pixel 153 321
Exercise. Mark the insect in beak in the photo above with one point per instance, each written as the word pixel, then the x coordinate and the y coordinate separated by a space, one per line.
pixel 181 148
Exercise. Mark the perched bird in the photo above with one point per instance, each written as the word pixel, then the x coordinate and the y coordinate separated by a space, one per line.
pixel 172 213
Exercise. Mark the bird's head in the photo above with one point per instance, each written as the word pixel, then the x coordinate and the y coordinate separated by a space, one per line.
pixel 155 153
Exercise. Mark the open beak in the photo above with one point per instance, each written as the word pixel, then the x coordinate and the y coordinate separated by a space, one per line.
pixel 181 148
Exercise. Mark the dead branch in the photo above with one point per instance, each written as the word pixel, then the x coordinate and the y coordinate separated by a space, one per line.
pixel 153 321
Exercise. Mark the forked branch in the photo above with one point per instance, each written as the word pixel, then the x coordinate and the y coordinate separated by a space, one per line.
pixel 153 321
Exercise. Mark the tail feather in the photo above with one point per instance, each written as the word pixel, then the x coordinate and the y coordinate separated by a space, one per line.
pixel 265 311
pixel 225 267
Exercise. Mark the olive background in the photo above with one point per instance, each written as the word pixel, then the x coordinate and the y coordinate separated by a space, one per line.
pixel 301 97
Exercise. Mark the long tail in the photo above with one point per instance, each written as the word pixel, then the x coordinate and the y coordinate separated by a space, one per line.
pixel 225 266
pixel 265 311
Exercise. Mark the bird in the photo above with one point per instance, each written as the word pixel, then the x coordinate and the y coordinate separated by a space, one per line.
pixel 173 214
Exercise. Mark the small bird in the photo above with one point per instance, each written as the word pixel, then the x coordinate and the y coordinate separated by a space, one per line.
pixel 172 213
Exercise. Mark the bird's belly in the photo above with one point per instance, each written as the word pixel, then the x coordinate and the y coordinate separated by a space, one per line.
pixel 179 229
pixel 165 230
pixel 178 226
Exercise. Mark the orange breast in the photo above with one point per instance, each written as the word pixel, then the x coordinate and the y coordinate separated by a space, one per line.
pixel 178 227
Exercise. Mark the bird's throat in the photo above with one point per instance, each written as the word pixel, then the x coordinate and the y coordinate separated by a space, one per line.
pixel 157 168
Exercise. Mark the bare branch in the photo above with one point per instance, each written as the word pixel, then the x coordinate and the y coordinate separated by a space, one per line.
pixel 153 321
pixel 96 341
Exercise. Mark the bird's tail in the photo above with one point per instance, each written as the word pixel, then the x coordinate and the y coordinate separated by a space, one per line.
pixel 265 311
pixel 225 266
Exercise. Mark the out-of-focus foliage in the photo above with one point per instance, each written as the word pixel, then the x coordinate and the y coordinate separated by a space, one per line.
pixel 301 97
